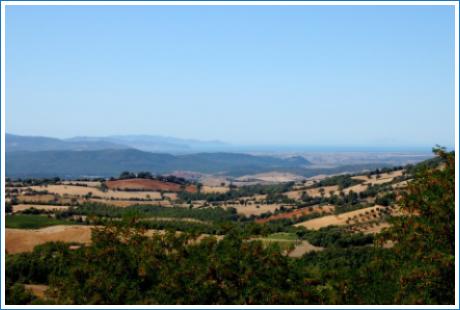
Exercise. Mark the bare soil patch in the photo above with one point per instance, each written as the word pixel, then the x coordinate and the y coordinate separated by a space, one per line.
pixel 148 184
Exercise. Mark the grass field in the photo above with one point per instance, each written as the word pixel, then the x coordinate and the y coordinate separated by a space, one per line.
pixel 27 221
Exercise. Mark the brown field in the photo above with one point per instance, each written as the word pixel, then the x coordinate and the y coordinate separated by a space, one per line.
pixel 256 209
pixel 358 188
pixel 214 189
pixel 301 186
pixel 298 213
pixel 72 190
pixel 210 180
pixel 384 177
pixel 313 192
pixel 340 219
pixel 22 207
pixel 84 183
pixel 372 228
pixel 116 203
pixel 36 198
pixel 24 240
pixel 148 184
pixel 271 177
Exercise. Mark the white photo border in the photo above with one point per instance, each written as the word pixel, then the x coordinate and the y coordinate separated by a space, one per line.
pixel 5 4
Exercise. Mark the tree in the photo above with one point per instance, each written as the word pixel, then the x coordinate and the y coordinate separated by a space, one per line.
pixel 144 175
pixel 424 239
pixel 321 192
pixel 127 175
pixel 104 187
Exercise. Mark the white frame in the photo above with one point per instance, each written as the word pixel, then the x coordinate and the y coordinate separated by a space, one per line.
pixel 4 4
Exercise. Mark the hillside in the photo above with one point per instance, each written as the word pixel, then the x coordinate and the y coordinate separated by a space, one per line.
pixel 106 163
pixel 147 143
pixel 370 232
pixel 29 143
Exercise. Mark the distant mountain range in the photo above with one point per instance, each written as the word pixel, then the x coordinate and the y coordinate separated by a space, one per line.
pixel 141 142
pixel 104 157
pixel 28 156
pixel 106 163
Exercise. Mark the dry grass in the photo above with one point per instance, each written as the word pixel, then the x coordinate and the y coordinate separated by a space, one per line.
pixel 361 215
pixel 214 189
pixel 256 209
pixel 149 184
pixel 36 198
pixel 374 228
pixel 22 207
pixel 24 240
pixel 72 190
pixel 84 183
pixel 298 213
pixel 313 192
pixel 271 177
pixel 303 248
pixel 358 188
pixel 384 177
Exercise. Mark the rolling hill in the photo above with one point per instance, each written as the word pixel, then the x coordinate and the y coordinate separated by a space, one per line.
pixel 106 163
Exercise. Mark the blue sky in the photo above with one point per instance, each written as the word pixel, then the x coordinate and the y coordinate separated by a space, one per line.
pixel 304 75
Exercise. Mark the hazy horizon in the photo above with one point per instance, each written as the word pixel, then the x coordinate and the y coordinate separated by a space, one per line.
pixel 275 148
pixel 303 75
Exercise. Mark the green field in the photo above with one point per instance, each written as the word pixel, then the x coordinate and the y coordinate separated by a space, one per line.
pixel 27 221
pixel 283 236
pixel 284 240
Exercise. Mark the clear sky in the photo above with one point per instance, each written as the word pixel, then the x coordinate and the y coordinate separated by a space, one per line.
pixel 303 75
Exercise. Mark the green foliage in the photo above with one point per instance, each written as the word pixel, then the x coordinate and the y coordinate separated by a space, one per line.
pixel 386 199
pixel 343 181
pixel 29 221
pixel 17 295
pixel 215 214
pixel 125 266
pixel 425 243
pixel 337 237
pixel 272 190
pixel 8 207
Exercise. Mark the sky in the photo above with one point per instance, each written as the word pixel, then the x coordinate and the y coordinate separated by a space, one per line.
pixel 297 75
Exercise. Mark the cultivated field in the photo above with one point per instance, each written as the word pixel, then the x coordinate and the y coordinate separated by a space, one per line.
pixel 148 184
pixel 72 190
pixel 357 216
pixel 257 209
pixel 22 207
pixel 24 240
pixel 299 213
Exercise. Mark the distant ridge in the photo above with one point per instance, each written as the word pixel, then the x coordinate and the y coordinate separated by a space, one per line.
pixel 148 143
pixel 36 143
pixel 106 163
